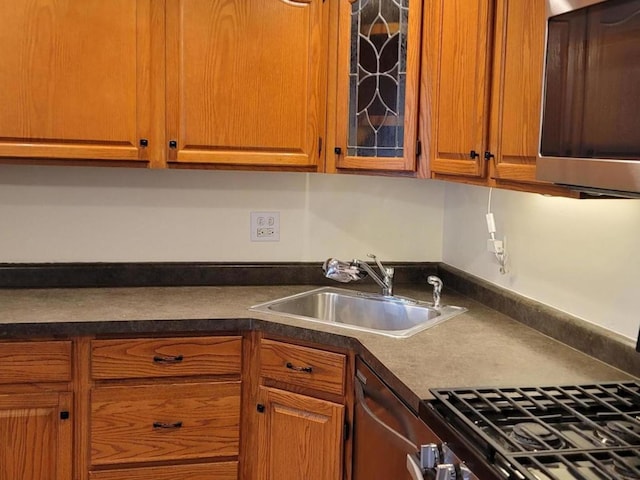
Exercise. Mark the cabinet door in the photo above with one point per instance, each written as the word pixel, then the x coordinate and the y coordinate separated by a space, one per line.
pixel 75 79
pixel 460 86
pixel 298 437
pixel 246 81
pixel 35 437
pixel 377 98
pixel 517 86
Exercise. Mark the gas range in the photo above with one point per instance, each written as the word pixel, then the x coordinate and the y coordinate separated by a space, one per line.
pixel 580 432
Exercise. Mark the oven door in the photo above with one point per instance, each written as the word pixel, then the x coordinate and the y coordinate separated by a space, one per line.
pixel 387 435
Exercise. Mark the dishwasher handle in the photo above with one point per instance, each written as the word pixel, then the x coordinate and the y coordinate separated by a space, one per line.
pixel 397 437
pixel 415 472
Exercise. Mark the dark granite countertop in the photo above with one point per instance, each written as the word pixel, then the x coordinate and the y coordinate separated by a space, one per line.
pixel 478 348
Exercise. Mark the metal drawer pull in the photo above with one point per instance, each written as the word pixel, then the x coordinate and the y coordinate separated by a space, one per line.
pixel 176 359
pixel 167 426
pixel 291 366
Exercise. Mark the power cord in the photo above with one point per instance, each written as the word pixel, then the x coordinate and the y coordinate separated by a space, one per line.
pixel 497 247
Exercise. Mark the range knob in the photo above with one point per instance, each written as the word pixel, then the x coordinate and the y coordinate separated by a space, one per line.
pixel 465 473
pixel 429 456
pixel 445 471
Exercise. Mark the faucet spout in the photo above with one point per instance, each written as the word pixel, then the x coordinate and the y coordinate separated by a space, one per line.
pixel 356 270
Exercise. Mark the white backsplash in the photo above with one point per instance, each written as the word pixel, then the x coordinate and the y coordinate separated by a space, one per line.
pixel 82 214
pixel 580 256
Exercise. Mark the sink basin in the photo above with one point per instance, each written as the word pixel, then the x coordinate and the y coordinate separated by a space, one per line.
pixel 391 316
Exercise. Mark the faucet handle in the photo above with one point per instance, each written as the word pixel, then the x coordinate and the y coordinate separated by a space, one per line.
pixel 385 271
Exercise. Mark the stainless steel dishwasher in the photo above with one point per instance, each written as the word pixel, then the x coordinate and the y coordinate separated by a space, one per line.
pixel 391 442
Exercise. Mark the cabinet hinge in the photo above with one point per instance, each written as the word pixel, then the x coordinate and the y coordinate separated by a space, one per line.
pixel 347 430
pixel 418 148
pixel 319 145
pixel 64 415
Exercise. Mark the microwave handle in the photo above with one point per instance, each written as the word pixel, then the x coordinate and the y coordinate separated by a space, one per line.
pixel 415 472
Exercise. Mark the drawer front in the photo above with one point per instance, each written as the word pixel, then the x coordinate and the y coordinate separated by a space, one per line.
pixel 165 357
pixel 28 362
pixel 164 422
pixel 303 366
pixel 200 471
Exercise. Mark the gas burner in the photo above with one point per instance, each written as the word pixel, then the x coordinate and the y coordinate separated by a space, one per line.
pixel 628 432
pixel 627 467
pixel 533 437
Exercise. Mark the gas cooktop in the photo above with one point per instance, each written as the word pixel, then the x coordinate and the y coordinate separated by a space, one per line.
pixel 580 432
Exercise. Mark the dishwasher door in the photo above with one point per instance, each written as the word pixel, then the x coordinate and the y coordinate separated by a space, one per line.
pixel 387 435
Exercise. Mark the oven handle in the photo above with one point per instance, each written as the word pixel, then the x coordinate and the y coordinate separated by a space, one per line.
pixel 397 436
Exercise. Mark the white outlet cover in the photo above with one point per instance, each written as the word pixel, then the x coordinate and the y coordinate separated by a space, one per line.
pixel 265 227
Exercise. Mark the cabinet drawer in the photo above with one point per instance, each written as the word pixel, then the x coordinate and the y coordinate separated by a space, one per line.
pixel 165 357
pixel 164 422
pixel 200 471
pixel 27 362
pixel 303 366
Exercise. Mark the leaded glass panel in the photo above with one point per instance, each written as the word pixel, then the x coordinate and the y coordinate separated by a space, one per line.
pixel 377 78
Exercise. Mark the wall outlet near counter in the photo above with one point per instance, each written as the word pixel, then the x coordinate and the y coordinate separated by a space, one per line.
pixel 265 226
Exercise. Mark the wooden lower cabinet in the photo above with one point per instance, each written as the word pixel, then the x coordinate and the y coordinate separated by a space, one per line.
pixel 113 411
pixel 36 436
pixel 200 471
pixel 165 408
pixel 298 437
pixel 165 422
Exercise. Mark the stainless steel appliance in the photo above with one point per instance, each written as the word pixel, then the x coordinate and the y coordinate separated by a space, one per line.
pixel 587 432
pixel 392 443
pixel 590 129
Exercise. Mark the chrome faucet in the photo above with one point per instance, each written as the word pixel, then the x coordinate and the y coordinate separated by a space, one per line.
pixel 356 270
pixel 437 288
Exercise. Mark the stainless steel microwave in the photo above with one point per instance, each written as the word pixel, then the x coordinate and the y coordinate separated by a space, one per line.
pixel 590 124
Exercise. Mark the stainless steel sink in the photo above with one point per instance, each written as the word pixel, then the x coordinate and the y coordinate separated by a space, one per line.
pixel 391 316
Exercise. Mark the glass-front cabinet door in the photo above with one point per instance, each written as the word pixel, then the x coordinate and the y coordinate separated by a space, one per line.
pixel 377 85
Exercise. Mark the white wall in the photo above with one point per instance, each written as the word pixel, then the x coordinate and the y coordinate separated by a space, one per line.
pixel 65 214
pixel 580 256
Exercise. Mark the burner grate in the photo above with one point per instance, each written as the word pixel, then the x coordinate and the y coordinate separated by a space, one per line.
pixel 598 465
pixel 570 417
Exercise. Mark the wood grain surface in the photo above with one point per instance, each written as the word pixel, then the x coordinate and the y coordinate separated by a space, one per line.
pixel 123 418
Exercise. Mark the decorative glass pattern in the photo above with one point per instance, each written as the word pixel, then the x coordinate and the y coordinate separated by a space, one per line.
pixel 377 78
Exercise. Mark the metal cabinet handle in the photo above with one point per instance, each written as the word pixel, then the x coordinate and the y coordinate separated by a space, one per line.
pixel 168 359
pixel 291 366
pixel 473 154
pixel 167 426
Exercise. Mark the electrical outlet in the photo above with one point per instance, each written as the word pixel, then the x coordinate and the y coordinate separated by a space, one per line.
pixel 495 246
pixel 265 226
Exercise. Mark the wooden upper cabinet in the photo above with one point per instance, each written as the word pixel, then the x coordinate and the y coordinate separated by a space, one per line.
pixel 516 106
pixel 376 94
pixel 75 81
pixel 457 79
pixel 518 70
pixel 246 82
